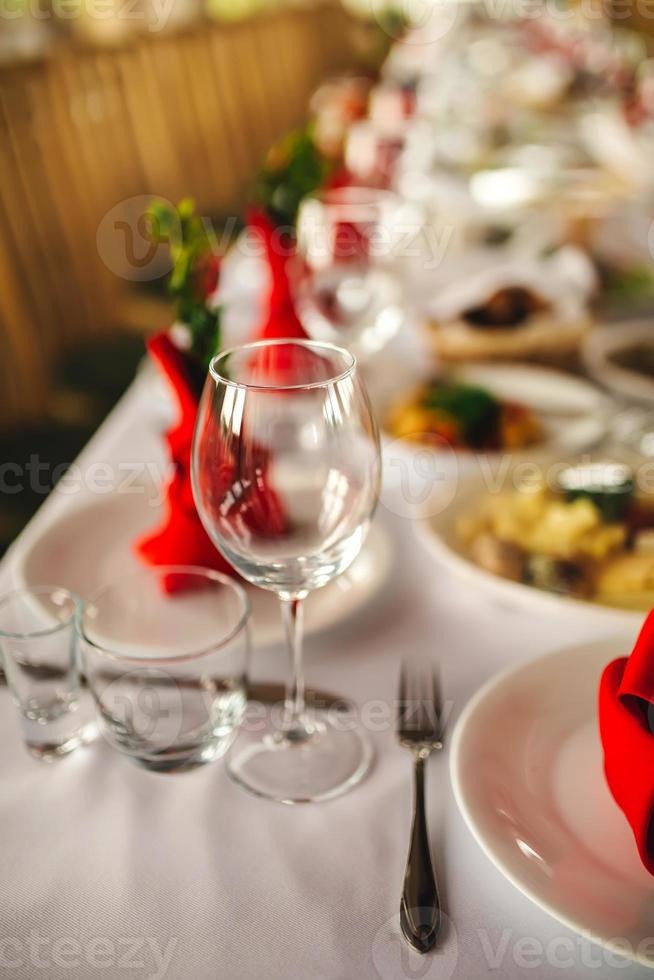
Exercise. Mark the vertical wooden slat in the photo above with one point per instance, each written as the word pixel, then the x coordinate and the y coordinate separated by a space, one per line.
pixel 150 116
pixel 23 366
pixel 173 115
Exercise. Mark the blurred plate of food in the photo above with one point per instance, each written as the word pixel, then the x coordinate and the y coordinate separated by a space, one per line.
pixel 513 308
pixel 494 408
pixel 567 537
pixel 621 357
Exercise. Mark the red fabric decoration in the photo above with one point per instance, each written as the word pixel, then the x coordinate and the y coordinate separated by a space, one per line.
pixel 626 714
pixel 207 276
pixel 282 320
pixel 181 539
pixel 340 178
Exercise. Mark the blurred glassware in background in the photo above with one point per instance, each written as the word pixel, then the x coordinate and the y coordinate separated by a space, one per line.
pixel 335 105
pixel 165 654
pixel 348 281
pixel 372 151
pixel 39 654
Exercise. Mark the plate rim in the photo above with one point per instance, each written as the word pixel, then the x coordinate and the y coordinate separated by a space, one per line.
pixel 41 524
pixel 490 687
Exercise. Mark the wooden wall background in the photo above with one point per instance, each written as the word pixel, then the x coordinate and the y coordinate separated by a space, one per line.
pixel 82 130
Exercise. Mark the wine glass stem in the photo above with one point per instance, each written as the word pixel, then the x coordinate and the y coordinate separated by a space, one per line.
pixel 295 723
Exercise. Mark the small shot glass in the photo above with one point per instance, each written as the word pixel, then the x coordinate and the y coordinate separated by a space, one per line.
pixel 38 650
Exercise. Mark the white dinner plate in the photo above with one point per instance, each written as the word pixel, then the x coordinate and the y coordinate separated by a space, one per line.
pixel 527 772
pixel 602 344
pixel 91 546
pixel 438 531
pixel 573 413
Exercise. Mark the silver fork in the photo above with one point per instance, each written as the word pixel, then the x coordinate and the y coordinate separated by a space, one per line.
pixel 420 729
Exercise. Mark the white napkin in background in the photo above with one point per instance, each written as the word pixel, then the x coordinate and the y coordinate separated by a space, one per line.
pixel 623 150
pixel 565 279
pixel 244 277
pixel 538 81
pixel 623 238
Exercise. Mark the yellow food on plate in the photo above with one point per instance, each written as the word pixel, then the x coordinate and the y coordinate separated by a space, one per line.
pixel 538 523
pixel 627 573
pixel 592 542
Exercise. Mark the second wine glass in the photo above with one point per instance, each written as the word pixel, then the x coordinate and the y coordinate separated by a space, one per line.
pixel 286 471
pixel 347 281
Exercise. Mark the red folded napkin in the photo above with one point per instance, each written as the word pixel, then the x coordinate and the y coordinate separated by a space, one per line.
pixel 180 538
pixel 626 714
pixel 281 319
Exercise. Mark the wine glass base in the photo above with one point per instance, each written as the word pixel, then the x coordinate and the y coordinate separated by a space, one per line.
pixel 326 764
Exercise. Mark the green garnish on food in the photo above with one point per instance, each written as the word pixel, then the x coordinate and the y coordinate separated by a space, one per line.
pixel 610 487
pixel 475 409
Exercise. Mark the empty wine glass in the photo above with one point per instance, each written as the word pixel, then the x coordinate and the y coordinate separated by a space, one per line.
pixel 347 287
pixel 286 470
pixel 373 150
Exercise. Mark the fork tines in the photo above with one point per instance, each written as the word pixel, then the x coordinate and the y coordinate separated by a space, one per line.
pixel 420 701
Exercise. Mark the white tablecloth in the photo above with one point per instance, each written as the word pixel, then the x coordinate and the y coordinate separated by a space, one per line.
pixel 110 871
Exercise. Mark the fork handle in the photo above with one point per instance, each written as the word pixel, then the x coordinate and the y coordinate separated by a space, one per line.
pixel 420 909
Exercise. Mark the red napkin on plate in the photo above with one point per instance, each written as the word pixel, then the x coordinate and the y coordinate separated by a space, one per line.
pixel 180 539
pixel 626 713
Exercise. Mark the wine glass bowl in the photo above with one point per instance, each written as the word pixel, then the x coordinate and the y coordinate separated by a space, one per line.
pixel 286 471
pixel 291 502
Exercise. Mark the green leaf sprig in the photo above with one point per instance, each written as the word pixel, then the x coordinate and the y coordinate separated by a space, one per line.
pixel 194 273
